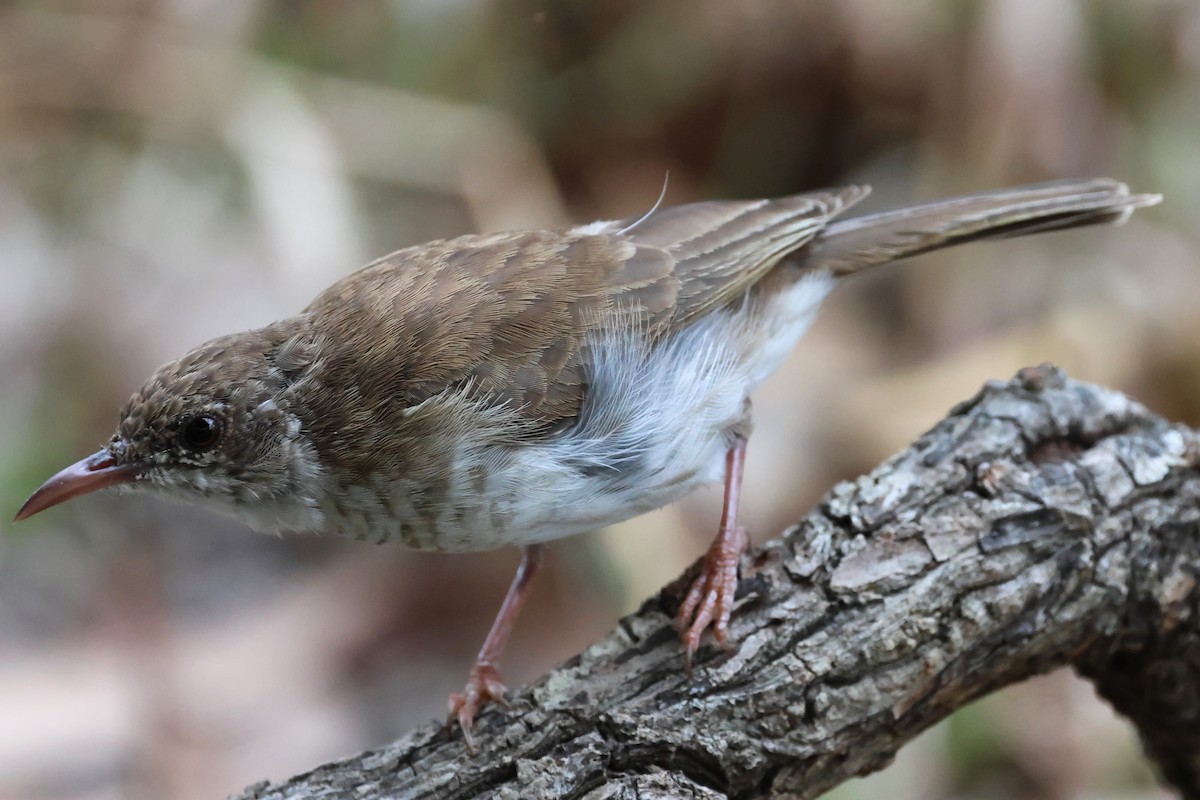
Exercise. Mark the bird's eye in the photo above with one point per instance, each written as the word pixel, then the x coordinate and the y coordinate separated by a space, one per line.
pixel 200 433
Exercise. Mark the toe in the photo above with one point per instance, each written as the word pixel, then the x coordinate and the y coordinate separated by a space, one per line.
pixel 687 609
pixel 483 686
pixel 710 599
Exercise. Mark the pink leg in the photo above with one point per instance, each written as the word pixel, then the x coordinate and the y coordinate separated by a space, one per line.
pixel 710 599
pixel 483 682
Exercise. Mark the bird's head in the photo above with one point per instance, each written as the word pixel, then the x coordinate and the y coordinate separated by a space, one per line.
pixel 213 426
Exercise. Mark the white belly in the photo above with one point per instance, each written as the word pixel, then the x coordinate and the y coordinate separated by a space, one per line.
pixel 656 423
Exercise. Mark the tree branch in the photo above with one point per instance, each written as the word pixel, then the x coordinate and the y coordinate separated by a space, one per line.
pixel 1043 523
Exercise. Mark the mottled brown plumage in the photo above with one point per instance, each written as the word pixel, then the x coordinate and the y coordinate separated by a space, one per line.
pixel 513 388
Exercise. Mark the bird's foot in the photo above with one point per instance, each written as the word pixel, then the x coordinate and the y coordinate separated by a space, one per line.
pixel 483 686
pixel 709 601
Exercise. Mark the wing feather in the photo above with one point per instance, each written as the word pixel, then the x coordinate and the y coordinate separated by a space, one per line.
pixel 508 318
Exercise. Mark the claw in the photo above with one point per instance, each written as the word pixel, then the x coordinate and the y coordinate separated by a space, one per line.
pixel 483 686
pixel 709 601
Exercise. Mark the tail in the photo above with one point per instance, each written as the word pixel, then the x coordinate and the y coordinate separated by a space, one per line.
pixel 854 244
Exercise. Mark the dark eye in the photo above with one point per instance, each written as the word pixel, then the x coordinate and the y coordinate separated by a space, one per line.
pixel 200 433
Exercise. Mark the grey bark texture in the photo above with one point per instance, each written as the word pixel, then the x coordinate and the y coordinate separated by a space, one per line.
pixel 1043 523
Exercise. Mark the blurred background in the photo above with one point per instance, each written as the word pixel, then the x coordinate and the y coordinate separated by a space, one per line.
pixel 172 170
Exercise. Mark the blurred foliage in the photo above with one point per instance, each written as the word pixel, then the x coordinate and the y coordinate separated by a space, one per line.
pixel 172 170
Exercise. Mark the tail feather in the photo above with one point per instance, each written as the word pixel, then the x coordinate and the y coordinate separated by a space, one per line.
pixel 850 245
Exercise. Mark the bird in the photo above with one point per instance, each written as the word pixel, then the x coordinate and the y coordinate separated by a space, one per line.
pixel 513 388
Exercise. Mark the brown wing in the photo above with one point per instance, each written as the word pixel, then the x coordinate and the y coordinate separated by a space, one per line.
pixel 509 316
pixel 506 316
pixel 722 248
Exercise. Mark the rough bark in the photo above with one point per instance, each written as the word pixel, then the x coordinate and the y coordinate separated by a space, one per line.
pixel 1043 523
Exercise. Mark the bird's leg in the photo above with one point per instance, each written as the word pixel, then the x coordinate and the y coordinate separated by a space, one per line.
pixel 483 682
pixel 710 599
